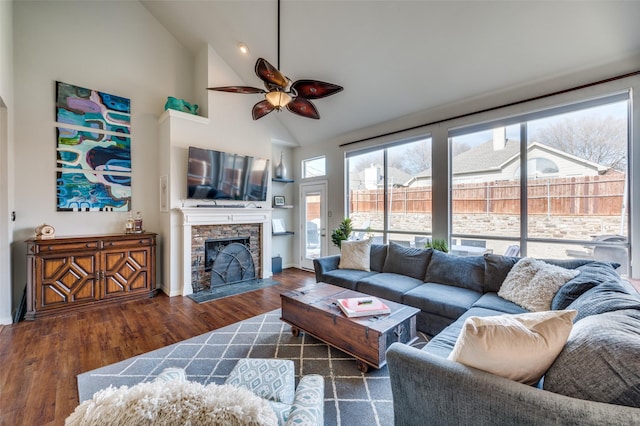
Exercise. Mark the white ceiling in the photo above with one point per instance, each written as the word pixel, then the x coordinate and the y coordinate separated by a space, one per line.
pixel 396 58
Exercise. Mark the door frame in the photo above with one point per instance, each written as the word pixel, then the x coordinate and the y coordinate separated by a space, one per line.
pixel 322 187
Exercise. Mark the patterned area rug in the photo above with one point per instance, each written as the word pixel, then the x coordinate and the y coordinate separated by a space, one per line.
pixel 352 398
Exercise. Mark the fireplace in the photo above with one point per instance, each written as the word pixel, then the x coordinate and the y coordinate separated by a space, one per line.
pixel 222 255
pixel 247 227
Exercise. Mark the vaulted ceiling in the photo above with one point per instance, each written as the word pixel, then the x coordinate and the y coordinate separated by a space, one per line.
pixel 397 58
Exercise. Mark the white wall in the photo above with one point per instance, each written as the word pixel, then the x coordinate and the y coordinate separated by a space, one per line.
pixel 115 47
pixel 6 155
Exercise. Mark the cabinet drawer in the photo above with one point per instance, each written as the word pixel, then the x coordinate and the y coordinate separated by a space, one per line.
pixel 43 247
pixel 142 241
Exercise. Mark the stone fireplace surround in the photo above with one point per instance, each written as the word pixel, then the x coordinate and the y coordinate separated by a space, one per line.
pixel 201 223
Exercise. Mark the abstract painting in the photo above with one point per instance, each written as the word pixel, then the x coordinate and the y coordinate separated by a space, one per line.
pixel 86 191
pixel 93 150
pixel 90 108
pixel 79 149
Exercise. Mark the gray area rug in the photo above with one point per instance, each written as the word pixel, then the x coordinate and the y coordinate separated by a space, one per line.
pixel 352 398
pixel 231 290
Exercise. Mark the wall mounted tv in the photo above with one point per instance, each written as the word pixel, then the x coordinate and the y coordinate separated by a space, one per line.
pixel 216 175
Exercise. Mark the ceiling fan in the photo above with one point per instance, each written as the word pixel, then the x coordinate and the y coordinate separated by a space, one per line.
pixel 281 92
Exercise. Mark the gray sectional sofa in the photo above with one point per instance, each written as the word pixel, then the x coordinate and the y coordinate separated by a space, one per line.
pixel 594 380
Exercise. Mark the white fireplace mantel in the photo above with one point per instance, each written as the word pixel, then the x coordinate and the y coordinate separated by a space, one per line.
pixel 194 216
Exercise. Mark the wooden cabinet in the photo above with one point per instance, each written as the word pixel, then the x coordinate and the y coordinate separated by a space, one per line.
pixel 74 273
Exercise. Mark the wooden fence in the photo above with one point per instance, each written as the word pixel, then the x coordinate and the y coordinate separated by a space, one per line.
pixel 574 196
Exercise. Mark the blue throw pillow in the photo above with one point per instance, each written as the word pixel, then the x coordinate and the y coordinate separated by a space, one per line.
pixel 606 297
pixel 591 275
pixel 408 261
pixel 496 269
pixel 378 256
pixel 466 272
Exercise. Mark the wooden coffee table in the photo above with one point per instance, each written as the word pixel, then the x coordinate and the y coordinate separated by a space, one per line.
pixel 313 309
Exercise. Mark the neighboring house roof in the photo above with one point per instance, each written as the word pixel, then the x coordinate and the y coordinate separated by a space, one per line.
pixel 396 176
pixel 484 158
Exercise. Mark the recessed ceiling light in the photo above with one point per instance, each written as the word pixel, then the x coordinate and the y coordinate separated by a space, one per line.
pixel 243 48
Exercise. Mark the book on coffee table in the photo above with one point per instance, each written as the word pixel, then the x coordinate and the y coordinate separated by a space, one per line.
pixel 363 306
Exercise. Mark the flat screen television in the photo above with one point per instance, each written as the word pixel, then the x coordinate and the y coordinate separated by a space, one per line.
pixel 217 175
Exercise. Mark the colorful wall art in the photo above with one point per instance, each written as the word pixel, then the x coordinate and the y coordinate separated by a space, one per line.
pixel 93 150
pixel 84 191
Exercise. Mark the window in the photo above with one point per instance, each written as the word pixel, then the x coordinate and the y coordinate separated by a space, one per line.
pixel 569 200
pixel 389 192
pixel 314 167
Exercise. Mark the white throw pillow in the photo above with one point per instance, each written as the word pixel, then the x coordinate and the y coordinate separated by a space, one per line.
pixel 355 255
pixel 520 347
pixel 532 283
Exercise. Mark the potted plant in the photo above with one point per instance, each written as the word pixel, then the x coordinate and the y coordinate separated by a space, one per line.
pixel 437 244
pixel 342 232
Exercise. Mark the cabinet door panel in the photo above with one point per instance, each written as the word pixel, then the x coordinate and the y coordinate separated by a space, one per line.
pixel 67 279
pixel 126 271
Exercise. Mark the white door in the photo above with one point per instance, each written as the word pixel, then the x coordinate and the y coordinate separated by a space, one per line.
pixel 313 222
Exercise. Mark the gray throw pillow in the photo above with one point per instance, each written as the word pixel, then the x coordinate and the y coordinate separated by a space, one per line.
pixel 496 269
pixel 466 272
pixel 606 297
pixel 591 275
pixel 600 360
pixel 408 261
pixel 378 256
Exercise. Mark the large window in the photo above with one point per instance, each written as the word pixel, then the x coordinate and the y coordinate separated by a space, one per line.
pixel 549 184
pixel 389 192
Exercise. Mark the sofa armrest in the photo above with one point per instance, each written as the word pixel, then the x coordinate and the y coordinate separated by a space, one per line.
pixel 428 389
pixel 324 265
pixel 308 404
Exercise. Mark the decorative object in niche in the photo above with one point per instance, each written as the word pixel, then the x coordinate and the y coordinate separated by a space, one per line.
pixel 278 200
pixel 281 170
pixel 180 105
pixel 93 150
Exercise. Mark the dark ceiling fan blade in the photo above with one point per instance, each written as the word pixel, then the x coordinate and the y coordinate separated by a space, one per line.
pixel 270 75
pixel 303 107
pixel 314 89
pixel 237 89
pixel 261 109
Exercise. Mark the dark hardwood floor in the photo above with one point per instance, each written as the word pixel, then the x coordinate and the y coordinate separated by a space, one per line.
pixel 39 360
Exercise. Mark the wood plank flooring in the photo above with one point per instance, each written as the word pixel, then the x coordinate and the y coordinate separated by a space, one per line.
pixel 39 360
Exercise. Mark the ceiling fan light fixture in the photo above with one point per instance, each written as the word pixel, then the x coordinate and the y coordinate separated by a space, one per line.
pixel 278 99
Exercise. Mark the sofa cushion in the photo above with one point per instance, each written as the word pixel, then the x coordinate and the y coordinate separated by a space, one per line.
pixel 591 275
pixel 609 345
pixel 607 297
pixel 520 347
pixel 442 344
pixel 532 283
pixel 386 285
pixel 346 278
pixel 498 304
pixel 355 255
pixel 440 299
pixel 408 261
pixel 378 256
pixel 465 272
pixel 497 267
